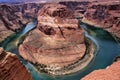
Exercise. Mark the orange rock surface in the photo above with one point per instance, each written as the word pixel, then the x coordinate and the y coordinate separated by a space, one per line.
pixel 110 73
pixel 11 67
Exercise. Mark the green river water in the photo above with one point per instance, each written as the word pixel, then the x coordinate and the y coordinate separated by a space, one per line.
pixel 106 50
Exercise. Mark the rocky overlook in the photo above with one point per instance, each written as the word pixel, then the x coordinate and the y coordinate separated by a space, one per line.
pixel 110 73
pixel 57 42
pixel 104 15
pixel 11 68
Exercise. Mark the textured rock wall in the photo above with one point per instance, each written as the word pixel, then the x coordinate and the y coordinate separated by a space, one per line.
pixel 104 15
pixel 11 67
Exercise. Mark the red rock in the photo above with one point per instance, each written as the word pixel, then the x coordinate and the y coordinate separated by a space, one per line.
pixel 11 67
pixel 110 73
pixel 78 7
pixel 12 17
pixel 11 20
pixel 57 42
pixel 104 15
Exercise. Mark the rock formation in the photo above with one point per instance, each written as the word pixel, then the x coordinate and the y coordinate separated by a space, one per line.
pixel 11 20
pixel 110 73
pixel 57 43
pixel 29 9
pixel 11 68
pixel 104 15
pixel 78 7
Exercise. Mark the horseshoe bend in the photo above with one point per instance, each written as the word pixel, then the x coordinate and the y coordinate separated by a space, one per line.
pixel 64 40
pixel 57 44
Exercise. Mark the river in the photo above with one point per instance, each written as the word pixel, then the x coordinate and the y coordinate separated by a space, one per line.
pixel 107 50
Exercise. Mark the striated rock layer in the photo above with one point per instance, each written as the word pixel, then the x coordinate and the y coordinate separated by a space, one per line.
pixel 78 7
pixel 11 68
pixel 110 73
pixel 11 20
pixel 57 43
pixel 104 15
pixel 13 17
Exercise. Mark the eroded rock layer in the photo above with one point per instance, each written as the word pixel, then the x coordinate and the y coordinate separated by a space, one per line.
pixel 110 73
pixel 11 20
pixel 104 15
pixel 57 42
pixel 11 68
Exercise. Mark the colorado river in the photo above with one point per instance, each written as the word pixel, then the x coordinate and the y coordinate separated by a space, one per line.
pixel 107 50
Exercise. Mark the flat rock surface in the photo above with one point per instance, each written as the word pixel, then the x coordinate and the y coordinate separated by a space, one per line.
pixel 110 73
pixel 11 68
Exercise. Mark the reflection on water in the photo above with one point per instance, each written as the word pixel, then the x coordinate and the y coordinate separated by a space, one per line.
pixel 29 27
pixel 107 50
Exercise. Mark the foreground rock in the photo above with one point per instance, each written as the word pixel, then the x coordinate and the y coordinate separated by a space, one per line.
pixel 57 44
pixel 110 73
pixel 104 15
pixel 11 68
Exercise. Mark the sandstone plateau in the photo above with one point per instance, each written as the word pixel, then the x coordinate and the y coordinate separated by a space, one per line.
pixel 11 67
pixel 105 15
pixel 57 43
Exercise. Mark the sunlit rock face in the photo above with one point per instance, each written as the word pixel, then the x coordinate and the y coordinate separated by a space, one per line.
pixel 110 73
pixel 57 42
pixel 11 68
pixel 104 15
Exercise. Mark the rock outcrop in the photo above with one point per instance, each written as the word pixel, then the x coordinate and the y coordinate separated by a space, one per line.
pixel 11 68
pixel 104 15
pixel 110 73
pixel 57 43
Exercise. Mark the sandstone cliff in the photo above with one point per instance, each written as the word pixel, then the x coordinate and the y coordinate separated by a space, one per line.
pixel 104 15
pixel 11 20
pixel 11 68
pixel 78 7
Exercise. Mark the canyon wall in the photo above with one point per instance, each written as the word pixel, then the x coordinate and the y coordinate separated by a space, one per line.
pixel 105 15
